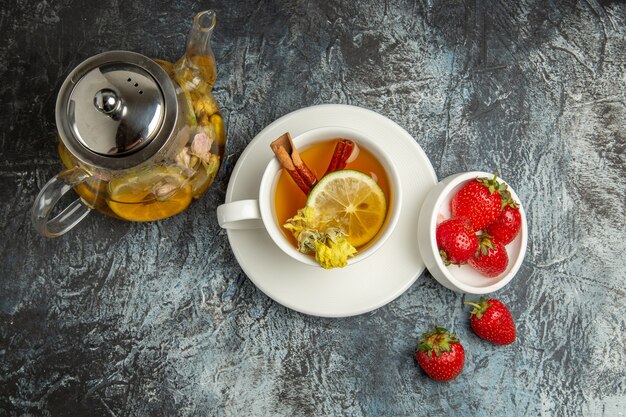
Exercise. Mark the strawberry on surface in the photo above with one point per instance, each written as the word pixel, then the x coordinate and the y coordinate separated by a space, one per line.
pixel 491 320
pixel 479 200
pixel 508 224
pixel 440 354
pixel 491 259
pixel 456 241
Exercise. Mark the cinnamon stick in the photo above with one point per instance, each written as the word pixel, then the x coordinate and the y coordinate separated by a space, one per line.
pixel 291 161
pixel 343 150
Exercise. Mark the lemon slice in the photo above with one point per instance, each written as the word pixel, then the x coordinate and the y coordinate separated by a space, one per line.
pixel 149 194
pixel 352 200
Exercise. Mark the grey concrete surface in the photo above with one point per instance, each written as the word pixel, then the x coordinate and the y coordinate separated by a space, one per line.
pixel 158 319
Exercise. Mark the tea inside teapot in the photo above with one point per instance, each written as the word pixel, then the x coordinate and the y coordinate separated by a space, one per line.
pixel 141 139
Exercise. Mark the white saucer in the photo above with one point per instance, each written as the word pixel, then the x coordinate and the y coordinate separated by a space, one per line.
pixel 357 288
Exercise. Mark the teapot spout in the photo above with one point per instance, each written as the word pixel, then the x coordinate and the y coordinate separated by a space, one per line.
pixel 199 55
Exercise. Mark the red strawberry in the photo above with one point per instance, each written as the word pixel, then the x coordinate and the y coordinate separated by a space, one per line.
pixel 508 224
pixel 491 259
pixel 440 354
pixel 491 320
pixel 456 241
pixel 478 200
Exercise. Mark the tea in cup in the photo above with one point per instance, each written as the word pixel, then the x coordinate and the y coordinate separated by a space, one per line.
pixel 330 197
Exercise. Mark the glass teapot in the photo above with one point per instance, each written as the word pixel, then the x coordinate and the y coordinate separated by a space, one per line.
pixel 140 139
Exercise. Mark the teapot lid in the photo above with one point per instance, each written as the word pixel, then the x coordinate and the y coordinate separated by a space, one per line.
pixel 116 110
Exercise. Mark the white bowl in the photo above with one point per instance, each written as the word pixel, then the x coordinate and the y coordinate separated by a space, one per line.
pixel 465 279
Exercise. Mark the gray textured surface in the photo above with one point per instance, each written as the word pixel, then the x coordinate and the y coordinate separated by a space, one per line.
pixel 122 319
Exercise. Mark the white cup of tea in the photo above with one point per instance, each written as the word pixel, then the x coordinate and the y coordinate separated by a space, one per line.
pixel 261 211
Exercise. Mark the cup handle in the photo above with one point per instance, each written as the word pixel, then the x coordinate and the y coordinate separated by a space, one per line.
pixel 242 214
pixel 50 195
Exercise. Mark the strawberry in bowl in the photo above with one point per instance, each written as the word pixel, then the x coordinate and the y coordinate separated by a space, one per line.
pixel 491 258
pixel 479 200
pixel 508 224
pixel 456 241
pixel 492 208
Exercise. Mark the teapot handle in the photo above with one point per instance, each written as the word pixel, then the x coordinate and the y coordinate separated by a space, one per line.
pixel 50 195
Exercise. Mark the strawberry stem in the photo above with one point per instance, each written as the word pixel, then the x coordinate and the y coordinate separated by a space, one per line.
pixel 444 257
pixel 480 307
pixel 437 341
pixel 484 244
pixel 492 184
pixel 446 261
pixel 507 199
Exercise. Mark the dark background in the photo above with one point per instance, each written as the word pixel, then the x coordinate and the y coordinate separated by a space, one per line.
pixel 126 319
